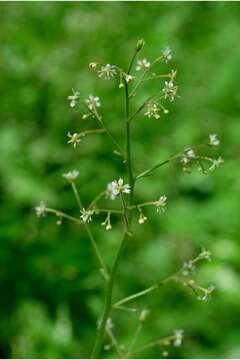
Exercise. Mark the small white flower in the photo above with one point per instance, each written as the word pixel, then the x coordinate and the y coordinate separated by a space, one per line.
pixel 109 324
pixel 178 337
pixel 166 55
pixel 71 175
pixel 129 78
pixel 74 98
pixel 142 64
pixel 86 215
pixel 173 74
pixel 93 102
pixel 161 203
pixel 190 154
pixel 213 140
pixel 75 138
pixel 40 209
pixel 170 90
pixel 216 163
pixel 142 218
pixel 116 187
pixel 107 71
pixel 152 111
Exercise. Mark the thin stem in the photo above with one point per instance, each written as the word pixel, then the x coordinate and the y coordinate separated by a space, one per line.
pixel 151 169
pixel 96 249
pixel 158 342
pixel 145 291
pixel 125 214
pixel 134 339
pixel 62 214
pixel 93 131
pixel 115 343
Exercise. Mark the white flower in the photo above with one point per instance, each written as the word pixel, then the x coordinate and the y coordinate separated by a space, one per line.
pixel 75 138
pixel 142 64
pixel 213 140
pixel 129 78
pixel 74 98
pixel 178 337
pixel 142 218
pixel 109 324
pixel 116 187
pixel 107 71
pixel 71 175
pixel 216 163
pixel 143 315
pixel 93 102
pixel 40 209
pixel 86 215
pixel 190 154
pixel 161 203
pixel 170 90
pixel 152 111
pixel 166 55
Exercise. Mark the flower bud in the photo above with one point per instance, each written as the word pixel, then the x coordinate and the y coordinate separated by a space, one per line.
pixel 140 45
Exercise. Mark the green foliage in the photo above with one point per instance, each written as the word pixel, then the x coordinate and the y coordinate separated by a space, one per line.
pixel 45 50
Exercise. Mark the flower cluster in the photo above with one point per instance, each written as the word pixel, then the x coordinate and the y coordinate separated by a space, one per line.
pixel 86 215
pixel 152 111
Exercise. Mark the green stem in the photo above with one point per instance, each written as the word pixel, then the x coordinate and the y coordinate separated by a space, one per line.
pixel 96 249
pixel 109 290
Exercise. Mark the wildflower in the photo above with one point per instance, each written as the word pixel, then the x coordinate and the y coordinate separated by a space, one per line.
pixel 129 78
pixel 92 65
pixel 142 218
pixel 206 293
pixel 142 64
pixel 213 140
pixel 190 153
pixel 40 209
pixel 74 98
pixel 161 203
pixel 178 337
pixel 166 55
pixel 216 163
pixel 75 138
pixel 86 215
pixel 116 187
pixel 152 111
pixel 170 90
pixel 107 71
pixel 93 102
pixel 71 175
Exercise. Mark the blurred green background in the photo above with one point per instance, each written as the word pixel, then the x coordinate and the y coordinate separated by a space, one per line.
pixel 51 292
